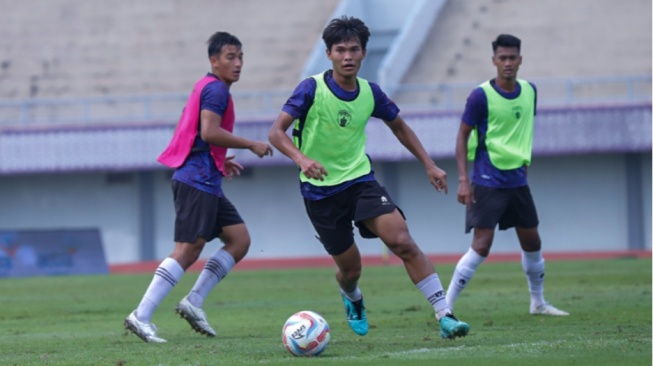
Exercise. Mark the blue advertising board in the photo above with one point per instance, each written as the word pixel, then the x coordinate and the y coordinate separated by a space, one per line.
pixel 51 252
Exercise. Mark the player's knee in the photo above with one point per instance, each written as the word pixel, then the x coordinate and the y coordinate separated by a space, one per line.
pixel 242 241
pixel 403 245
pixel 351 275
pixel 482 249
pixel 531 243
pixel 239 246
pixel 187 253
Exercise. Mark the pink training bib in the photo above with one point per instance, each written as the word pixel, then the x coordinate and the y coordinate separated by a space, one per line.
pixel 182 141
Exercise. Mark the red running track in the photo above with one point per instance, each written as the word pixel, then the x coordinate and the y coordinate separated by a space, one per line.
pixel 326 261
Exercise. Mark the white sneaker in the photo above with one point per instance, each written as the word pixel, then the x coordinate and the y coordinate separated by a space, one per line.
pixel 144 331
pixel 547 309
pixel 195 317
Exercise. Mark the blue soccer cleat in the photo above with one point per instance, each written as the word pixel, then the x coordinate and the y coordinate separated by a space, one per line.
pixel 451 328
pixel 355 312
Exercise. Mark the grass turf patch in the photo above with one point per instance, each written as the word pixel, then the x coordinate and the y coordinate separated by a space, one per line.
pixel 77 320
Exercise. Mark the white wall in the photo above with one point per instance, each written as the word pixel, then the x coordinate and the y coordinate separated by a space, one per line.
pixel 581 202
pixel 66 201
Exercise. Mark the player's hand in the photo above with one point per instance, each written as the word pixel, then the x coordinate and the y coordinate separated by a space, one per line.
pixel 312 169
pixel 261 149
pixel 465 193
pixel 231 167
pixel 438 179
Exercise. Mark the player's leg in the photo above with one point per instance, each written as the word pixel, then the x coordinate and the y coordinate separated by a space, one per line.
pixel 523 215
pixel 391 228
pixel 236 241
pixel 189 242
pixel 482 216
pixel 230 228
pixel 533 265
pixel 332 219
pixel 166 276
pixel 348 273
pixel 377 216
pixel 468 263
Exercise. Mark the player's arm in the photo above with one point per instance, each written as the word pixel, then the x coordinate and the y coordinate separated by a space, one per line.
pixel 279 139
pixel 409 139
pixel 465 194
pixel 212 132
pixel 475 112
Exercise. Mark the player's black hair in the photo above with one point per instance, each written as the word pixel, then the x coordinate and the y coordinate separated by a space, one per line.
pixel 506 40
pixel 219 39
pixel 345 29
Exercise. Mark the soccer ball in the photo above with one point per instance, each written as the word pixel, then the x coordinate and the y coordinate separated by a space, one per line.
pixel 305 333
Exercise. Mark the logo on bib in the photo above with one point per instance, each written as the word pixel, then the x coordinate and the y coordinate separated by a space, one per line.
pixel 344 118
pixel 517 112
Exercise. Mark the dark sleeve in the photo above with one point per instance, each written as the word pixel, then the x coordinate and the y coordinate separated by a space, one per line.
pixel 301 99
pixel 384 108
pixel 215 97
pixel 475 108
pixel 535 101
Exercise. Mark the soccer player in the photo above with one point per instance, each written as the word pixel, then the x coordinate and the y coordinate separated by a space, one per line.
pixel 496 132
pixel 330 111
pixel 198 153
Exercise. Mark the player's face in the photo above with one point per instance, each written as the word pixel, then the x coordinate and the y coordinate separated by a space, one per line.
pixel 346 57
pixel 507 61
pixel 228 63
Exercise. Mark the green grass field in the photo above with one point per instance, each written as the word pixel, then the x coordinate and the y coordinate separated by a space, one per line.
pixel 78 320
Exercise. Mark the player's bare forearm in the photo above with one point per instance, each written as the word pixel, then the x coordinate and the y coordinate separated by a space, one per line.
pixel 461 151
pixel 411 142
pixel 211 132
pixel 461 161
pixel 408 138
pixel 465 194
pixel 281 141
pixel 311 169
pixel 218 136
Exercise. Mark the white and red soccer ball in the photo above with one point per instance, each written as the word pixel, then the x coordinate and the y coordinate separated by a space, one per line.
pixel 306 333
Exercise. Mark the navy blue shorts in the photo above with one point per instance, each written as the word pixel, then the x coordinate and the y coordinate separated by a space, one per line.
pixel 332 217
pixel 507 207
pixel 200 214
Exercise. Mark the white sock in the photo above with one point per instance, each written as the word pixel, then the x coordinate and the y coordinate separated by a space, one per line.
pixel 215 269
pixel 432 289
pixel 463 273
pixel 165 278
pixel 354 295
pixel 533 265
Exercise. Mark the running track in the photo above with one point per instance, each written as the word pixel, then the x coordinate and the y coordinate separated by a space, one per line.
pixel 326 261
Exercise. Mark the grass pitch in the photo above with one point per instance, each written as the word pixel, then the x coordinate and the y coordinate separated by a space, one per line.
pixel 77 320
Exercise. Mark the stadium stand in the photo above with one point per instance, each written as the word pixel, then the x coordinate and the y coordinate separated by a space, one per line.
pixel 560 39
pixel 77 48
pixel 577 51
pixel 73 61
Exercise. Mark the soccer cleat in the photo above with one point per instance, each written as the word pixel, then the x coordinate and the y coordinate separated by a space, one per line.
pixel 144 331
pixel 195 317
pixel 547 309
pixel 450 327
pixel 355 312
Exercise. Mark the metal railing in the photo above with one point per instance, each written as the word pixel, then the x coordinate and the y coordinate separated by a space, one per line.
pixel 550 92
pixel 251 104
